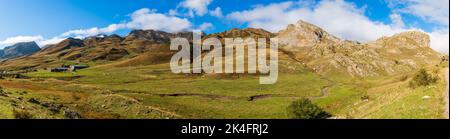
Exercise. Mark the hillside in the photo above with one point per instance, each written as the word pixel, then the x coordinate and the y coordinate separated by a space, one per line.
pixel 18 50
pixel 139 46
pixel 327 54
pixel 130 77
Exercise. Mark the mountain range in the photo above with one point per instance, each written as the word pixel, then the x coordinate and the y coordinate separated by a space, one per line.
pixel 19 49
pixel 130 77
pixel 302 42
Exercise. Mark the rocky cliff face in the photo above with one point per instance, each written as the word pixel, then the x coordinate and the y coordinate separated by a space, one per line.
pixel 19 49
pixel 156 36
pixel 410 39
pixel 244 33
pixel 302 43
pixel 303 34
pixel 327 54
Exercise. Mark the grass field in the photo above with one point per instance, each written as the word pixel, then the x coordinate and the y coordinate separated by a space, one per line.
pixel 108 91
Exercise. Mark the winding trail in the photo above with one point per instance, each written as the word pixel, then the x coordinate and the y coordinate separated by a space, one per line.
pixel 326 89
pixel 446 94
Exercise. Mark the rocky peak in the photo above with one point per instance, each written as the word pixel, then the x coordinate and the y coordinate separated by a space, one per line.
pixel 303 34
pixel 71 42
pixel 19 49
pixel 244 33
pixel 156 36
pixel 63 45
pixel 409 39
pixel 113 37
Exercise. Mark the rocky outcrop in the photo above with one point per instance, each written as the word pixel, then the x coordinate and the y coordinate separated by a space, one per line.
pixel 243 33
pixel 303 34
pixel 156 36
pixel 410 39
pixel 64 45
pixel 326 54
pixel 19 49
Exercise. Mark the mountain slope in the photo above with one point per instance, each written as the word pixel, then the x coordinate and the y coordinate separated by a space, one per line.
pixel 139 47
pixel 19 49
pixel 301 43
pixel 327 54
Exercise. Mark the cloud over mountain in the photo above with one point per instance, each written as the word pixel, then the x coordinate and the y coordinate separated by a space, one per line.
pixel 196 7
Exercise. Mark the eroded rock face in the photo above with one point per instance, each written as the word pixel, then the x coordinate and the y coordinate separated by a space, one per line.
pixel 156 36
pixel 243 33
pixel 325 53
pixel 410 39
pixel 303 34
pixel 19 49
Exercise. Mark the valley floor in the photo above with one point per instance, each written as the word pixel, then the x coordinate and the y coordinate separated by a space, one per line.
pixel 154 92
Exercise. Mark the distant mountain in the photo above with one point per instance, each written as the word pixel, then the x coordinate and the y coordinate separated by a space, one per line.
pixel 301 43
pixel 244 33
pixel 19 49
pixel 140 47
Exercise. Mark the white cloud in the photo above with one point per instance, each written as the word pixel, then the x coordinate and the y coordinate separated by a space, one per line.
pixel 434 11
pixel 140 19
pixel 150 19
pixel 397 20
pixel 53 40
pixel 339 17
pixel 272 17
pixel 173 12
pixel 82 33
pixel 440 41
pixel 205 26
pixel 216 12
pixel 41 41
pixel 17 39
pixel 199 7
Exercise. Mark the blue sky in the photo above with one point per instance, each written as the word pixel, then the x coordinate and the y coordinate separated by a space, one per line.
pixel 49 21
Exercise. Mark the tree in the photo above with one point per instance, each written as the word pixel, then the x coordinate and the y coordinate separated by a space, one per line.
pixel 423 78
pixel 305 109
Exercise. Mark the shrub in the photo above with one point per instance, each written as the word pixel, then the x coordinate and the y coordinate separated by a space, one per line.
pixel 365 97
pixel 2 92
pixel 305 109
pixel 404 78
pixel 422 78
pixel 22 114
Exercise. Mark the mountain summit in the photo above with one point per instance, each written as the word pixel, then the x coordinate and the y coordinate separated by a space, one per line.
pixel 327 54
pixel 303 34
pixel 19 49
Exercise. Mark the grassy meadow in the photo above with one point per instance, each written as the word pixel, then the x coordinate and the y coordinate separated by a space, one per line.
pixel 110 91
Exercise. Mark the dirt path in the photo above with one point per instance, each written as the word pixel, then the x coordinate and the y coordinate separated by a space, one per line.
pixel 326 89
pixel 210 96
pixel 446 94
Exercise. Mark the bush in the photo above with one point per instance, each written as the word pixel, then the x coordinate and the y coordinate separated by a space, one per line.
pixel 365 97
pixel 2 92
pixel 305 109
pixel 423 78
pixel 22 114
